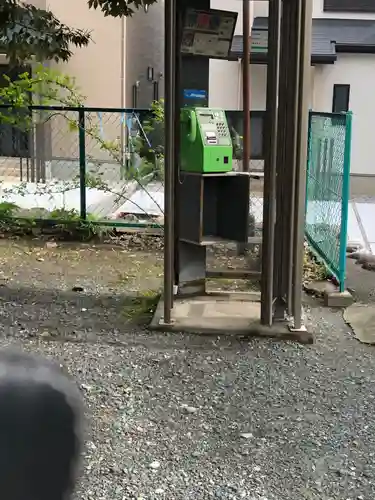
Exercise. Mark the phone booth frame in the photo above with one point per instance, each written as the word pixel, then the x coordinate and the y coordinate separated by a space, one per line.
pixel 289 59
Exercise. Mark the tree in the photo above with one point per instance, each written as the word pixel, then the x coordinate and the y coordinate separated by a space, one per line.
pixel 118 8
pixel 27 31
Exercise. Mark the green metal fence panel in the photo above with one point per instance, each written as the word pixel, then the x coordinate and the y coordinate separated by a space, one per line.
pixel 62 163
pixel 327 190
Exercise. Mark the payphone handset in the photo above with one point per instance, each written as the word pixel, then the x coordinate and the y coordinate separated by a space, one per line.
pixel 192 135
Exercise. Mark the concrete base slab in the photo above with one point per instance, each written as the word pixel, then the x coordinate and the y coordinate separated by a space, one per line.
pixel 338 299
pixel 303 329
pixel 224 315
pixel 361 318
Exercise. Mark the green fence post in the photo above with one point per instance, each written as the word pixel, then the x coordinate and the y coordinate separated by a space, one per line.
pixel 309 150
pixel 82 162
pixel 345 200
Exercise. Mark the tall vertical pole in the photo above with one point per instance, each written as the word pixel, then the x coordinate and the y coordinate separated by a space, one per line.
pixel 169 156
pixel 300 186
pixel 270 164
pixel 282 167
pixel 246 84
pixel 177 105
pixel 82 162
pixel 296 48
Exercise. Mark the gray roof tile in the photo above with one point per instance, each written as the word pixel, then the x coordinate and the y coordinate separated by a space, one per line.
pixel 329 36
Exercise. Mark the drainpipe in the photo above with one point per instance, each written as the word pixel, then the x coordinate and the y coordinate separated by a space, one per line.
pixel 239 86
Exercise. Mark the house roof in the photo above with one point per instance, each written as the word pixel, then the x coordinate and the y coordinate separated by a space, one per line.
pixel 329 36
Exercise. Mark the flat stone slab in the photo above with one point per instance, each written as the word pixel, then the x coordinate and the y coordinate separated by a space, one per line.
pixel 361 318
pixel 320 288
pixel 219 316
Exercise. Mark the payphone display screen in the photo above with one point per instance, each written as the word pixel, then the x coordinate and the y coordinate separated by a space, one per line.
pixel 208 33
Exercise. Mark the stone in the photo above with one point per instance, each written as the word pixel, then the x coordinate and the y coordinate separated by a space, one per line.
pixel 51 244
pixel 155 465
pixel 247 435
pixel 190 409
pixel 361 318
pixel 338 299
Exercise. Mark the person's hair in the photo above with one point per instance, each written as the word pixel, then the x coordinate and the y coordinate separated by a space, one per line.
pixel 41 421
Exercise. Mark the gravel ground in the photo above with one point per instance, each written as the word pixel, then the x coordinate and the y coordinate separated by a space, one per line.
pixel 186 417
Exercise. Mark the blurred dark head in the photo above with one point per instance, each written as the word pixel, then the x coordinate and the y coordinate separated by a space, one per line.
pixel 40 429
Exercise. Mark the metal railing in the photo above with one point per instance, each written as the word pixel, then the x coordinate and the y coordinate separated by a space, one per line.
pixel 327 190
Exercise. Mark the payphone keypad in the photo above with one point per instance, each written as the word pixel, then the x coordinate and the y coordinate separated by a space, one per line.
pixel 222 129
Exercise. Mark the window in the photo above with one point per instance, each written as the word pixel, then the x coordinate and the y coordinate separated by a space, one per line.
pixel 341 96
pixel 349 5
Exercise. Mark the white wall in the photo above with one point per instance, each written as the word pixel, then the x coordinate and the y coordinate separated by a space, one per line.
pixel 258 87
pixel 225 76
pixel 260 8
pixel 226 85
pixel 357 70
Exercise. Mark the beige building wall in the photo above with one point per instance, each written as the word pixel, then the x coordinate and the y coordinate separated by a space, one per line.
pixel 100 74
pixel 100 67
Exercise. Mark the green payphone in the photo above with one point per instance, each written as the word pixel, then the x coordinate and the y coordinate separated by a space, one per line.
pixel 206 144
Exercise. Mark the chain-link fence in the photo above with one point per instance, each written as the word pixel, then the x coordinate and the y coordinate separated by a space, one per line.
pixel 327 191
pixel 97 164
pixel 73 163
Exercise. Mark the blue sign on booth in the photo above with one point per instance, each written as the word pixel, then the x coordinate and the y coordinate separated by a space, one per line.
pixel 195 94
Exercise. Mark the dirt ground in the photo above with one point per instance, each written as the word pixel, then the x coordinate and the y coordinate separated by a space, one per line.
pixel 109 285
pixel 184 417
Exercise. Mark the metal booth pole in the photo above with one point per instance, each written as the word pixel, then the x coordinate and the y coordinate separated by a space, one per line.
pixel 169 156
pixel 246 84
pixel 286 160
pixel 300 186
pixel 270 163
pixel 294 113
pixel 282 189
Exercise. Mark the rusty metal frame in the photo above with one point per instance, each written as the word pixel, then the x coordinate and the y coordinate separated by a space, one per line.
pixel 169 155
